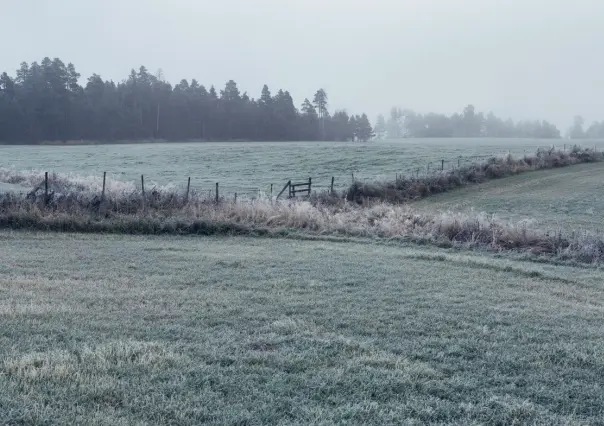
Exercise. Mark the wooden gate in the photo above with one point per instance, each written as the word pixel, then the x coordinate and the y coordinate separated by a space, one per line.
pixel 303 188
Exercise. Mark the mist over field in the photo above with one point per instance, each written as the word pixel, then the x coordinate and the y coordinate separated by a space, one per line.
pixel 525 59
pixel 301 212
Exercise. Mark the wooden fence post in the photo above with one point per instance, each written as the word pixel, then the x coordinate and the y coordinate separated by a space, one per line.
pixel 217 196
pixel 103 192
pixel 458 162
pixel 352 177
pixel 442 165
pixel 188 188
pixel 45 188
pixel 309 185
pixel 287 185
pixel 332 179
pixel 143 192
pixel 235 197
pixel 271 191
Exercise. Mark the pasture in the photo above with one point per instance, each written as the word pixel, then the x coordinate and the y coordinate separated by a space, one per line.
pixel 339 321
pixel 570 198
pixel 247 168
pixel 111 330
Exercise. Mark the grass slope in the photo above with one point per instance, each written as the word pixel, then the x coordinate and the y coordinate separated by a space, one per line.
pixel 569 197
pixel 178 330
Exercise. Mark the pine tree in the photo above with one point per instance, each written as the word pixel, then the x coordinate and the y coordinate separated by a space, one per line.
pixel 45 101
pixel 353 128
pixel 320 102
pixel 380 127
pixel 309 122
pixel 364 131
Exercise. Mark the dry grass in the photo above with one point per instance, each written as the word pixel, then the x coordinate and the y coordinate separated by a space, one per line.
pixel 75 206
pixel 82 364
pixel 263 217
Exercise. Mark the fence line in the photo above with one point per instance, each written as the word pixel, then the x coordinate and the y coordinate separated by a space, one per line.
pixel 323 182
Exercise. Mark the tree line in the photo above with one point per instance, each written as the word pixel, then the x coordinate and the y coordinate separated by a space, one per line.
pixel 594 131
pixel 45 102
pixel 406 123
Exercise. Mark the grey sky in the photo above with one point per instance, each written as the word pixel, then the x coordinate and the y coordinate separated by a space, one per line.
pixel 520 58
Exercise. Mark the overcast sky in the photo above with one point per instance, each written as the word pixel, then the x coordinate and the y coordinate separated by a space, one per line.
pixel 528 59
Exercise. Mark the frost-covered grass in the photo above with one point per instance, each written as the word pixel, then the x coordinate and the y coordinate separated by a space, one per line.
pixel 567 198
pixel 247 168
pixel 121 330
pixel 409 188
pixel 170 213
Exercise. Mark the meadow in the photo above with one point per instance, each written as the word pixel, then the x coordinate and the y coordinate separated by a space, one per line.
pixel 122 330
pixel 469 307
pixel 247 168
pixel 570 198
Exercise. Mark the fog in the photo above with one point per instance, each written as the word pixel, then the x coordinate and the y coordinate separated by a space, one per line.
pixel 528 59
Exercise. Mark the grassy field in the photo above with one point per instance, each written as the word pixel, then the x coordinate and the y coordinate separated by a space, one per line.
pixel 567 198
pixel 179 330
pixel 246 167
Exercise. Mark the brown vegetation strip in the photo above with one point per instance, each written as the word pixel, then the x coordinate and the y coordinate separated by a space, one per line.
pixel 69 209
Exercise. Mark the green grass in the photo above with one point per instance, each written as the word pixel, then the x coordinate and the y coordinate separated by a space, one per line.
pixel 181 330
pixel 565 198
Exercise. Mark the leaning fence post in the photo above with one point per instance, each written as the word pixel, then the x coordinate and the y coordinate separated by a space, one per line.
pixel 188 188
pixel 45 188
pixel 103 192
pixel 217 196
pixel 287 185
pixel 332 179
